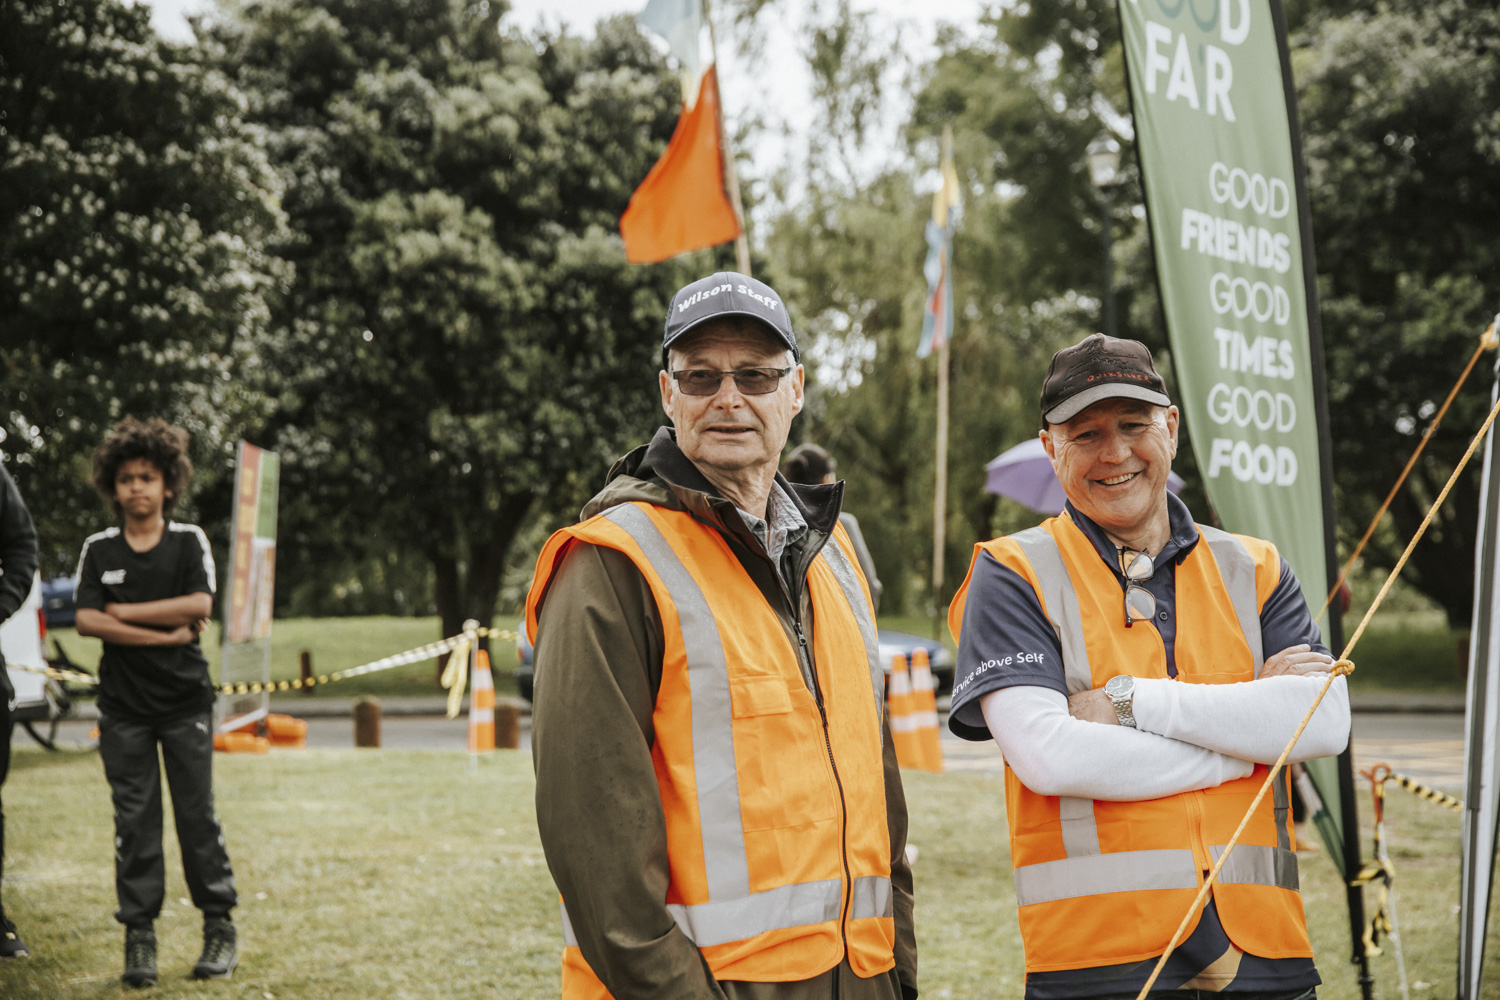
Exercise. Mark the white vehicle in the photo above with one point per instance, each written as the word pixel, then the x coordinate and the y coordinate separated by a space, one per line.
pixel 21 642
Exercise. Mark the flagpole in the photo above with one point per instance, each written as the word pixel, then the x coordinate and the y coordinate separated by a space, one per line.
pixel 940 492
pixel 731 176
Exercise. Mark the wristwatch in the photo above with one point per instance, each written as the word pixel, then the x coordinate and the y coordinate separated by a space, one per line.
pixel 1120 690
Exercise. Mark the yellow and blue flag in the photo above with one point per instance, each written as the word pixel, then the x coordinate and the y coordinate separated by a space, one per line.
pixel 937 315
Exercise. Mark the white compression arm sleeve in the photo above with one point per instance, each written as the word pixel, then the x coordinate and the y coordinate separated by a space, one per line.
pixel 1055 754
pixel 1253 720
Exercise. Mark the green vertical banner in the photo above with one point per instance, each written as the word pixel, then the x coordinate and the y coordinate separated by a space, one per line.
pixel 1215 119
pixel 1216 155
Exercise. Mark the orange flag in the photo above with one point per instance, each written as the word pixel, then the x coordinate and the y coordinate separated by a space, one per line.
pixel 681 205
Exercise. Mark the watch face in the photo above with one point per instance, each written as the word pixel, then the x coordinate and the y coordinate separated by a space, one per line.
pixel 1119 686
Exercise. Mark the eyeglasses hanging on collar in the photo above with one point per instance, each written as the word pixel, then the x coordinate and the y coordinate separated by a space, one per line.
pixel 1137 568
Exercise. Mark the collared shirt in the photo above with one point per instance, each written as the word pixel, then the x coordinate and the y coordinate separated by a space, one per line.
pixel 1003 616
pixel 784 525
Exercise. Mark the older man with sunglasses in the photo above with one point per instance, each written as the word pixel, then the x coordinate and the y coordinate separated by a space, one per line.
pixel 717 793
pixel 1139 671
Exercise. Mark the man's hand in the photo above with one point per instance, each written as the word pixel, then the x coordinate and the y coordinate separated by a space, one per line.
pixel 1297 660
pixel 1093 706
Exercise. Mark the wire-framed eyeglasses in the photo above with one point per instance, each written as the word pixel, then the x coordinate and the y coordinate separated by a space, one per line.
pixel 1137 568
pixel 750 381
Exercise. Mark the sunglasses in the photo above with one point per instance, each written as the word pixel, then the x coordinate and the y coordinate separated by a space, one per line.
pixel 750 381
pixel 1137 568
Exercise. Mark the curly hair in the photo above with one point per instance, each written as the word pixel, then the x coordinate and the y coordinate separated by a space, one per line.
pixel 155 440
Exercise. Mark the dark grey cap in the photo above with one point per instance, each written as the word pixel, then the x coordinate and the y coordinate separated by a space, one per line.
pixel 1098 368
pixel 727 293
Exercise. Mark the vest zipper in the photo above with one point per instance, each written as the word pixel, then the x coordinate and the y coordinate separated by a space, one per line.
pixel 839 783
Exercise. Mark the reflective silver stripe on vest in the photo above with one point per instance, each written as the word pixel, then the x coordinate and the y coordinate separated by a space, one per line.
pixel 848 578
pixel 871 898
pixel 1080 831
pixel 1122 871
pixel 1061 599
pixel 1237 567
pixel 799 905
pixel 1252 864
pixel 724 861
pixel 796 905
pixel 1283 806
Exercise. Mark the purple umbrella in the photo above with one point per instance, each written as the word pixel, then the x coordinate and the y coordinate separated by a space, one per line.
pixel 1024 474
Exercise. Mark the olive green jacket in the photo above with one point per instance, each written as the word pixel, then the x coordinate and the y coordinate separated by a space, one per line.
pixel 598 663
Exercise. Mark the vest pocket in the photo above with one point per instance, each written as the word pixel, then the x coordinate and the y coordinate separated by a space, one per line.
pixel 753 696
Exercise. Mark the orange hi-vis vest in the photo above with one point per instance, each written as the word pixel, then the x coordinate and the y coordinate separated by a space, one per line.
pixel 1104 883
pixel 775 808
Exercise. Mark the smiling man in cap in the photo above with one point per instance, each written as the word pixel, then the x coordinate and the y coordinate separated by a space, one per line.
pixel 1139 671
pixel 717 792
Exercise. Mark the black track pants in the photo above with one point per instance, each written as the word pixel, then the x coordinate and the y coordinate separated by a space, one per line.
pixel 130 763
pixel 6 726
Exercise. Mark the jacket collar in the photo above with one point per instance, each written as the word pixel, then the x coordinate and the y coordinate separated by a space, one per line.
pixel 1181 541
pixel 659 473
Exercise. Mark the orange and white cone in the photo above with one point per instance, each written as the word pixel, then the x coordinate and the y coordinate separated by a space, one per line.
pixel 482 706
pixel 901 702
pixel 924 711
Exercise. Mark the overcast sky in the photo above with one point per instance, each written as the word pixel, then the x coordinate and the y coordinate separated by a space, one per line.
pixel 776 89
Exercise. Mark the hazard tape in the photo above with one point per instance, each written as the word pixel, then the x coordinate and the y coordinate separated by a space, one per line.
pixel 463 640
pixel 1430 794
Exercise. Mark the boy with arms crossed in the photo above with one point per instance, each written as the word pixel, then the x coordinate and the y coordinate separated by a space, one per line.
pixel 146 588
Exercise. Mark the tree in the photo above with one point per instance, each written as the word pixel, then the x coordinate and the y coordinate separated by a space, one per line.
pixel 1027 264
pixel 465 347
pixel 135 205
pixel 1403 162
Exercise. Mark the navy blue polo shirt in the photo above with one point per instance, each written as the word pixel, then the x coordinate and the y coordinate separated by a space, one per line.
pixel 1007 641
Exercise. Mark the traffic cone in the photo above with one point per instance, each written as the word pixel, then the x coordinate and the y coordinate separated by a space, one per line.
pixel 899 705
pixel 482 707
pixel 924 712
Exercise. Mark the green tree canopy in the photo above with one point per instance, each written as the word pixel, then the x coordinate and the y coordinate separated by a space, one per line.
pixel 464 346
pixel 135 205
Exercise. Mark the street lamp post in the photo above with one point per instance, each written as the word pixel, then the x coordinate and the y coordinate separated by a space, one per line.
pixel 1103 156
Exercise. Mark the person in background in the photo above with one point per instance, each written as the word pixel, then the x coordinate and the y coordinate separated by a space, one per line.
pixel 146 588
pixel 716 788
pixel 17 568
pixel 813 466
pixel 1139 672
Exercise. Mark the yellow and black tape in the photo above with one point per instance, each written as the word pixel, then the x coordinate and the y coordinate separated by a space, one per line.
pixel 427 652
pixel 1430 794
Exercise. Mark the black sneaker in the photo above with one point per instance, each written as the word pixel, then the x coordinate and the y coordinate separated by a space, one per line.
pixel 11 945
pixel 220 955
pixel 140 957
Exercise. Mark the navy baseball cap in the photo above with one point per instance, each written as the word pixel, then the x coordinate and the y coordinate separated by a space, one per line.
pixel 727 293
pixel 1098 368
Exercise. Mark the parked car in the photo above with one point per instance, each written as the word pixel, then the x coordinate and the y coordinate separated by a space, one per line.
pixel 939 657
pixel 57 599
pixel 892 644
pixel 22 639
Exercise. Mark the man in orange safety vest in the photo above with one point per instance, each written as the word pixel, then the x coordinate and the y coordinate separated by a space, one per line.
pixel 1139 671
pixel 717 792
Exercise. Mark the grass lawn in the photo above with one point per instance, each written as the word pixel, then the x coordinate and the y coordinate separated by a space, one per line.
pixel 367 873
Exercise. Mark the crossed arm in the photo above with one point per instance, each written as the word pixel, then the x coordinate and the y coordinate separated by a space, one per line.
pixel 1188 736
pixel 173 621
